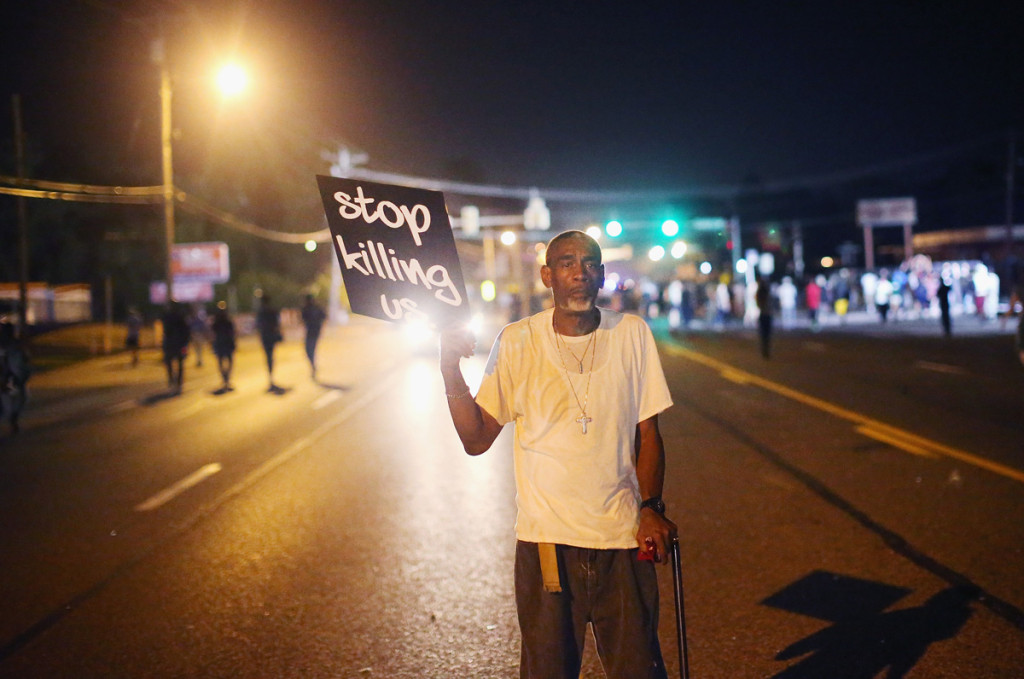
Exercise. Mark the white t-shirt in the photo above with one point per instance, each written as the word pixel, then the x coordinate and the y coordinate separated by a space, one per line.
pixel 574 488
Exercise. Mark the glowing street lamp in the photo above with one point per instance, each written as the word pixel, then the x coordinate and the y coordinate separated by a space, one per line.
pixel 231 80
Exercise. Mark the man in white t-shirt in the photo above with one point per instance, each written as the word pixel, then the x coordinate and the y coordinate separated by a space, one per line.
pixel 584 387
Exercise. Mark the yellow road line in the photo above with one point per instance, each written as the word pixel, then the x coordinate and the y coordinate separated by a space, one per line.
pixel 880 428
pixel 895 442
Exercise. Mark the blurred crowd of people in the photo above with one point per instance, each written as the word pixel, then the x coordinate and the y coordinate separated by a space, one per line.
pixel 917 289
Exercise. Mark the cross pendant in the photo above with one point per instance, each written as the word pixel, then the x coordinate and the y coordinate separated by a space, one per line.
pixel 583 419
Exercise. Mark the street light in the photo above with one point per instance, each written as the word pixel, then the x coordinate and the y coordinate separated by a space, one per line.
pixel 232 80
pixel 167 163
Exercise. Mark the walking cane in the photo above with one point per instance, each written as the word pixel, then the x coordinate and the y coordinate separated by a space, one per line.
pixel 677 581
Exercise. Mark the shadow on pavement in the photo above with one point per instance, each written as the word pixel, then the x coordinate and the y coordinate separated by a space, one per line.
pixel 157 398
pixel 864 639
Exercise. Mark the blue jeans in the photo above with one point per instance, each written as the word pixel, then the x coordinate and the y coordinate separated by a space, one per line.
pixel 608 588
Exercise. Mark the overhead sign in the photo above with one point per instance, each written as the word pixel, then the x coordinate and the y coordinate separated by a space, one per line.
pixel 708 224
pixel 887 211
pixel 184 291
pixel 200 262
pixel 396 250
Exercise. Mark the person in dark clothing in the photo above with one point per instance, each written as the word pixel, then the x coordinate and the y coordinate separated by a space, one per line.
pixel 176 340
pixel 224 346
pixel 15 369
pixel 763 297
pixel 943 294
pixel 133 326
pixel 268 325
pixel 313 318
pixel 1020 339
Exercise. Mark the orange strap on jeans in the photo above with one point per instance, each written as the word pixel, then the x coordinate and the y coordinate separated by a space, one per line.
pixel 549 567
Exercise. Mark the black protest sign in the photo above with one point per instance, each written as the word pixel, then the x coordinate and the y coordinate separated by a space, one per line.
pixel 396 250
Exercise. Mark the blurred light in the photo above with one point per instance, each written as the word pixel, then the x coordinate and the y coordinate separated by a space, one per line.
pixel 542 252
pixel 670 228
pixel 741 266
pixel 678 249
pixel 611 281
pixel 656 253
pixel 827 262
pixel 417 333
pixel 613 228
pixel 705 268
pixel 594 232
pixel 487 291
pixel 310 245
pixel 508 237
pixel 231 79
pixel 476 324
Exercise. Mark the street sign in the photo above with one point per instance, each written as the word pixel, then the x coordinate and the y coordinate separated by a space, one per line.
pixel 200 262
pixel 887 212
pixel 184 291
pixel 396 250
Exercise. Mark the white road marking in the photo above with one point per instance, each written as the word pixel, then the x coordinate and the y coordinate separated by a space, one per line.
pixel 327 399
pixel 171 492
pixel 297 446
pixel 187 411
pixel 940 367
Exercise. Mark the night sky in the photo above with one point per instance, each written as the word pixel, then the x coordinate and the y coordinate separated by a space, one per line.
pixel 590 95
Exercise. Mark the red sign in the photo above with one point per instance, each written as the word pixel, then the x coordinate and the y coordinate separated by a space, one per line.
pixel 206 262
pixel 184 291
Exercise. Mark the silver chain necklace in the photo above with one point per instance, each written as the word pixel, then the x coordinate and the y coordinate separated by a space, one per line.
pixel 583 419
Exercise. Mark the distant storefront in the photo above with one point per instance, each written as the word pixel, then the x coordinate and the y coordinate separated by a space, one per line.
pixel 46 304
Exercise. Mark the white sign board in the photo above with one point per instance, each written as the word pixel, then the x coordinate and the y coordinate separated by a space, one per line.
pixel 886 212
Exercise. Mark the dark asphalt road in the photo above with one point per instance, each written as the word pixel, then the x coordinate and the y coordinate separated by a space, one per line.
pixel 847 506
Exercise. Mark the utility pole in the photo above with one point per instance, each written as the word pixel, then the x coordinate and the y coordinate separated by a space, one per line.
pixel 166 132
pixel 19 153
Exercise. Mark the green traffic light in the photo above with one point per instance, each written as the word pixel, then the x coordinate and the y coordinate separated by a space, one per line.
pixel 670 228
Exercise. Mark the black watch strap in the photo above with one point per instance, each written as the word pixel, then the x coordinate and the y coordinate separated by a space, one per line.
pixel 655 503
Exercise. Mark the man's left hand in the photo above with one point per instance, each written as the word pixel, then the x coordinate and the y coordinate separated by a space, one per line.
pixel 655 535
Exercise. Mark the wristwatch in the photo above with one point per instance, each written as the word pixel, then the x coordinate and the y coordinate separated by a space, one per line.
pixel 655 503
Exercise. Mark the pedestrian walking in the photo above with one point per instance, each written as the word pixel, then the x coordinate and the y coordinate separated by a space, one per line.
pixel 223 329
pixel 1020 339
pixel 723 302
pixel 175 345
pixel 133 328
pixel 883 295
pixel 199 329
pixel 787 302
pixel 15 370
pixel 763 299
pixel 313 318
pixel 268 325
pixel 584 387
pixel 943 294
pixel 812 294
